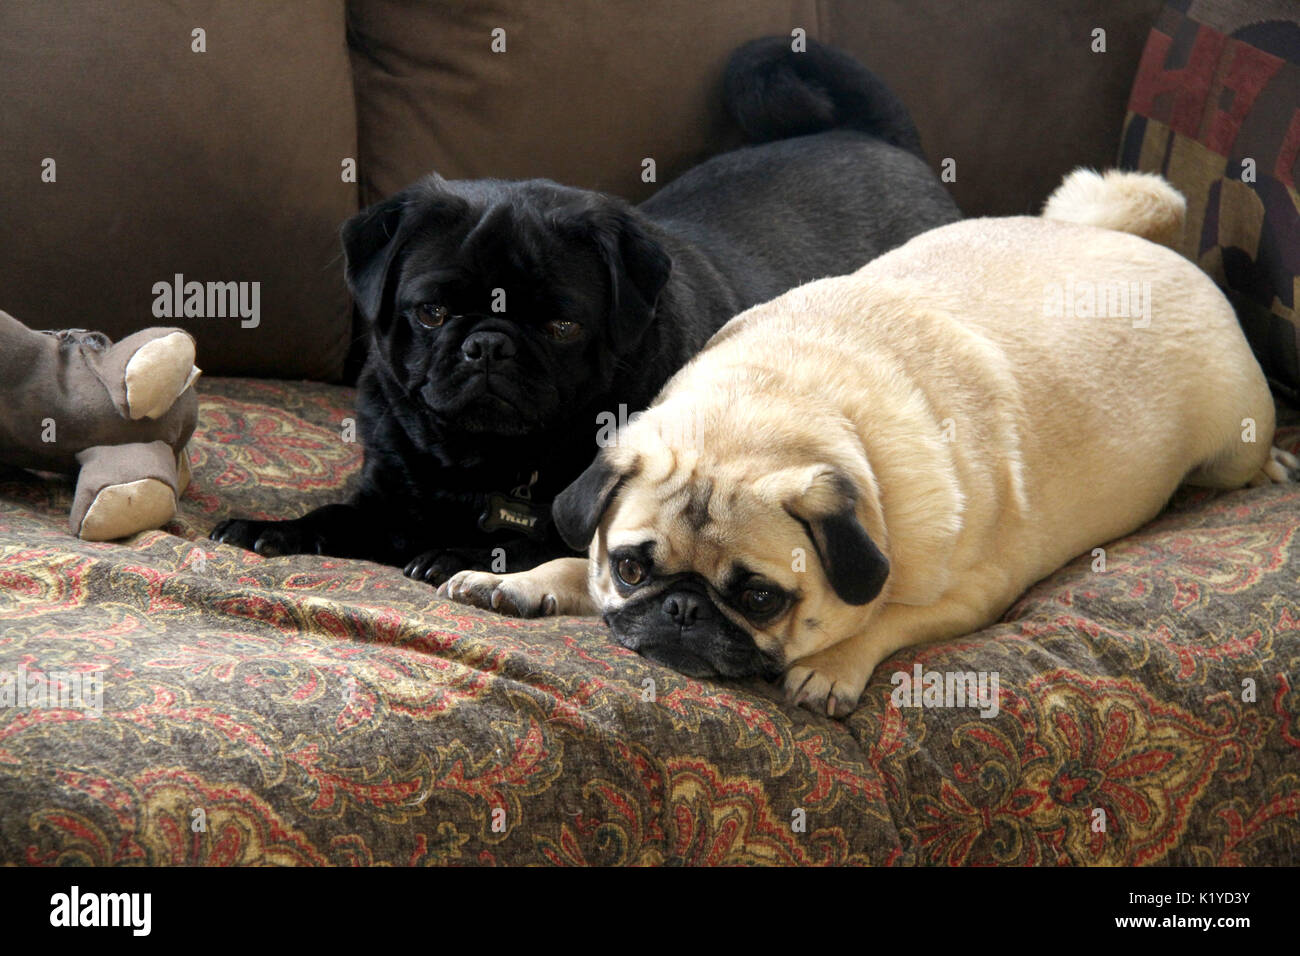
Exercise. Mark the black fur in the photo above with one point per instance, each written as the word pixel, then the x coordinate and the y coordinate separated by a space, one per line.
pixel 450 418
pixel 774 94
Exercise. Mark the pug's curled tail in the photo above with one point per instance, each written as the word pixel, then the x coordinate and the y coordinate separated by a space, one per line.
pixel 774 92
pixel 1141 203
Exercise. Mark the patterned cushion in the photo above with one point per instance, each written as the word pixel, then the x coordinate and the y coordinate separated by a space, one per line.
pixel 1216 108
pixel 315 711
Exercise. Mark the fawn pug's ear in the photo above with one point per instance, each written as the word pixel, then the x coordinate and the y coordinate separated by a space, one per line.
pixel 580 507
pixel 822 498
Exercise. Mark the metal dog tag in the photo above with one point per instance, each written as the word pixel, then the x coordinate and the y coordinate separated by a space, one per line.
pixel 516 512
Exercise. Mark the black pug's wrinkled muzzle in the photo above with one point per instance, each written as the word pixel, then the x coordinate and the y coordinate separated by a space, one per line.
pixel 487 380
pixel 486 357
pixel 485 348
pixel 681 627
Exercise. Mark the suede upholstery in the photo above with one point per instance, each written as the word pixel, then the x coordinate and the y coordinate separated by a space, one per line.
pixel 228 165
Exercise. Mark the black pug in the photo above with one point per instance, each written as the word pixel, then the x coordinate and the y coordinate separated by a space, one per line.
pixel 505 317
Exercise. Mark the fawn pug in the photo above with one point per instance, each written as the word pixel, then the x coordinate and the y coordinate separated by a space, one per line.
pixel 931 434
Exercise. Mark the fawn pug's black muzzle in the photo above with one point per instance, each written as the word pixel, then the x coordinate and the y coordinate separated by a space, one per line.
pixel 680 626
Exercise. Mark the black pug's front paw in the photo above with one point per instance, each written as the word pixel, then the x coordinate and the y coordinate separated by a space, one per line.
pixel 269 538
pixel 436 566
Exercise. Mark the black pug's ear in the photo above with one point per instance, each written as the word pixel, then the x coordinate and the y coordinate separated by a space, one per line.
pixel 638 266
pixel 578 508
pixel 855 567
pixel 373 238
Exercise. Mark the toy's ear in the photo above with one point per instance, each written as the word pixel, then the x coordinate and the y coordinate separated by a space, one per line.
pixel 146 372
pixel 157 373
pixel 373 239
pixel 638 265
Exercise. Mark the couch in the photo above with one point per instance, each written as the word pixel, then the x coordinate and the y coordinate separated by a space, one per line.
pixel 315 711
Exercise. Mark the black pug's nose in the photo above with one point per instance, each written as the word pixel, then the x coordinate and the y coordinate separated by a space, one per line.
pixel 684 609
pixel 483 347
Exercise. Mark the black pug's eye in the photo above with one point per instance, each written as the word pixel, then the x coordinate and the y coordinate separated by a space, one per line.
pixel 431 316
pixel 630 571
pixel 562 330
pixel 761 602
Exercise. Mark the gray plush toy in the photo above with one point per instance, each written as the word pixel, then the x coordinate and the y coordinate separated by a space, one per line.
pixel 118 416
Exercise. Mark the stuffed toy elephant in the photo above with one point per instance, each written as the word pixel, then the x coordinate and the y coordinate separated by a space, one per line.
pixel 116 416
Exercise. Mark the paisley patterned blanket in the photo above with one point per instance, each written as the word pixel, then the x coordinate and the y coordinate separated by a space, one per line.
pixel 237 710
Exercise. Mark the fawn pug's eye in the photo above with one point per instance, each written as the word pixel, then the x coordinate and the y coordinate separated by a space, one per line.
pixel 761 602
pixel 431 316
pixel 630 571
pixel 562 330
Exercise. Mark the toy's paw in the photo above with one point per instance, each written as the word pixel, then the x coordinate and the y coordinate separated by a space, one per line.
pixel 436 566
pixel 125 509
pixel 823 691
pixel 269 538
pixel 518 595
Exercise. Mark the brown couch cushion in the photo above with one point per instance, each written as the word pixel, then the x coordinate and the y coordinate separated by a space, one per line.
pixel 1009 89
pixel 1016 116
pixel 1216 109
pixel 220 166
pixel 585 90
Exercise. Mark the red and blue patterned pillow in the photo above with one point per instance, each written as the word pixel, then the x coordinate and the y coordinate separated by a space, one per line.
pixel 1215 108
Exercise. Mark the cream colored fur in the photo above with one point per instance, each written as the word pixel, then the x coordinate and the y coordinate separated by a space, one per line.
pixel 1139 203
